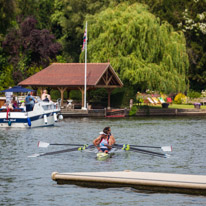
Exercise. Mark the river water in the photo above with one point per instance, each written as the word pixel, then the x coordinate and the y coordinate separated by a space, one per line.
pixel 27 181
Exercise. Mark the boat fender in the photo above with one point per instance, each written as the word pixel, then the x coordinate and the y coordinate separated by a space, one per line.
pixel 45 119
pixel 60 117
pixel 55 117
pixel 29 121
pixel 9 122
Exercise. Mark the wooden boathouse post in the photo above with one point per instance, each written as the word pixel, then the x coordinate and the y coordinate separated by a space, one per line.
pixel 62 90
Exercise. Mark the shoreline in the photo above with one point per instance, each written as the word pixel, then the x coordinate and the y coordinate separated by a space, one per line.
pixel 139 113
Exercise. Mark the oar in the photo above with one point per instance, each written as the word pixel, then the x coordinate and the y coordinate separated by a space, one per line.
pixel 127 147
pixel 62 151
pixel 46 144
pixel 163 148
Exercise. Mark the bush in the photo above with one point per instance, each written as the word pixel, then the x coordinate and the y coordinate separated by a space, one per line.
pixel 139 98
pixel 180 98
pixel 75 95
pixel 193 94
pixel 98 96
pixel 120 97
pixel 133 111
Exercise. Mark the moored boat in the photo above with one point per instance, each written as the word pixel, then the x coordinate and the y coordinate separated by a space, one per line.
pixel 43 114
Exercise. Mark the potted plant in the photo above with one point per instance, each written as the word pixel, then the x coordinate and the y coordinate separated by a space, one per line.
pixel 165 105
pixel 197 105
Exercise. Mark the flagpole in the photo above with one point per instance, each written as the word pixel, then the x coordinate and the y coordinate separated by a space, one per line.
pixel 85 74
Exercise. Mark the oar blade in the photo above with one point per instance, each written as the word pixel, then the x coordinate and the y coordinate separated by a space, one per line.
pixel 43 144
pixel 167 156
pixel 35 155
pixel 167 148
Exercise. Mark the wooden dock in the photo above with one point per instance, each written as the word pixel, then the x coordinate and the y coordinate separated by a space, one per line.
pixel 159 182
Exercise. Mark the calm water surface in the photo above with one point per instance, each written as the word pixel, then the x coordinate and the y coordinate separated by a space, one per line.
pixel 27 181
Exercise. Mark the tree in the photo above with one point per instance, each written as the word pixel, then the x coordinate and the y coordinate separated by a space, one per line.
pixel 7 14
pixel 193 25
pixel 188 16
pixel 146 53
pixel 28 46
pixel 41 10
pixel 67 23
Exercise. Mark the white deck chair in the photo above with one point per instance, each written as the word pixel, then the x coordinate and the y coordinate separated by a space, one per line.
pixel 150 100
pixel 161 100
pixel 154 100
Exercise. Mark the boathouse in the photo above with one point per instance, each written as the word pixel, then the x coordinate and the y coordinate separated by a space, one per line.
pixel 70 76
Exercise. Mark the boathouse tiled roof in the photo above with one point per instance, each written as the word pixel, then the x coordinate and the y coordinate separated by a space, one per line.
pixel 72 74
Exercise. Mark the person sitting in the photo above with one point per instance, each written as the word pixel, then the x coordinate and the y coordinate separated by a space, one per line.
pixel 46 99
pixel 45 96
pixel 110 136
pixel 29 102
pixel 14 102
pixel 105 141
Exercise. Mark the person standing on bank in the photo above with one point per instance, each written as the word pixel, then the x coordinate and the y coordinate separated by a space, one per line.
pixel 105 141
pixel 29 102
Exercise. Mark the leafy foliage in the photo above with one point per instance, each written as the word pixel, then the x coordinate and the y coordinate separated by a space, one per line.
pixel 6 78
pixel 67 21
pixel 41 10
pixel 133 110
pixel 142 50
pixel 180 98
pixel 120 97
pixel 188 16
pixel 139 51
pixel 29 47
pixel 193 94
pixel 7 15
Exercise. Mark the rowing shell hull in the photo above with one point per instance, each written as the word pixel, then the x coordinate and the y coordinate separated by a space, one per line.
pixel 101 156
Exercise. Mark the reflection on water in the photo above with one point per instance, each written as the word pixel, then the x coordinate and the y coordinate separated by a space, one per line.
pixel 27 181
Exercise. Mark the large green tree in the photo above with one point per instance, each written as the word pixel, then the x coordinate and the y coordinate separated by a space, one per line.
pixel 7 15
pixel 188 16
pixel 67 22
pixel 41 10
pixel 146 53
pixel 193 25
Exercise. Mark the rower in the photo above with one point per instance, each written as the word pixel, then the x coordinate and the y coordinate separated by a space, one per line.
pixel 105 141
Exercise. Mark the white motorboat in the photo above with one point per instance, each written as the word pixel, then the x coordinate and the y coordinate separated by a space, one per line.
pixel 43 114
